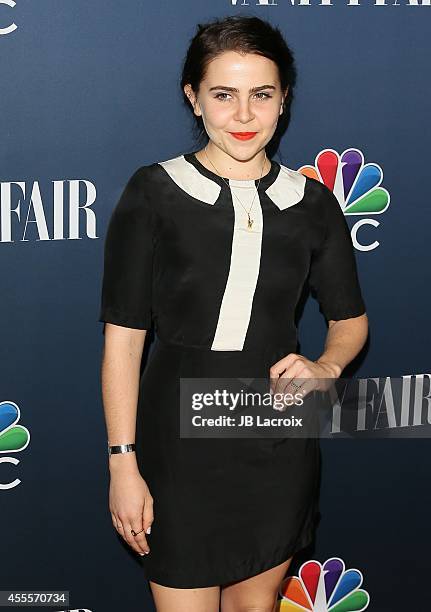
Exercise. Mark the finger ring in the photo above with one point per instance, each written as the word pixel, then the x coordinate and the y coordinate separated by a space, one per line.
pixel 295 385
pixel 135 533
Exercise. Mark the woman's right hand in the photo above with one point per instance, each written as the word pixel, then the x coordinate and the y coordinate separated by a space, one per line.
pixel 131 507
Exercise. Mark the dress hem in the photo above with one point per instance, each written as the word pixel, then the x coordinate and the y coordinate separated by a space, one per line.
pixel 173 579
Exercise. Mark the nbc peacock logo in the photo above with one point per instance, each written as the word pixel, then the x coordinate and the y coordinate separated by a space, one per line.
pixel 13 438
pixel 355 184
pixel 327 588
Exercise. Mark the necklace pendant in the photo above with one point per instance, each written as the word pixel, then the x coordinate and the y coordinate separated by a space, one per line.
pixel 249 223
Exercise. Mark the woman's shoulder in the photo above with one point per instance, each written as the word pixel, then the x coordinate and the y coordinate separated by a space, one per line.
pixel 143 172
pixel 294 187
pixel 315 201
pixel 317 191
pixel 176 168
pixel 147 179
pixel 316 197
pixel 180 175
pixel 288 187
pixel 324 207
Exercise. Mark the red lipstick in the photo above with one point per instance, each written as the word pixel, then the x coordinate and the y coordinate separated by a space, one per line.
pixel 243 135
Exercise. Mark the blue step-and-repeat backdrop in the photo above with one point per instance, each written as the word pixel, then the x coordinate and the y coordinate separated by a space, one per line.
pixel 89 92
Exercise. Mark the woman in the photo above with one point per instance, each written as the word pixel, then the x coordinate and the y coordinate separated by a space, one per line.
pixel 214 247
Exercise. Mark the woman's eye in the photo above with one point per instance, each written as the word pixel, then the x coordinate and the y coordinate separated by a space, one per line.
pixel 221 94
pixel 263 94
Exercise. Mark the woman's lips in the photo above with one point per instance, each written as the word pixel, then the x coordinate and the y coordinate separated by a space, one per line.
pixel 243 135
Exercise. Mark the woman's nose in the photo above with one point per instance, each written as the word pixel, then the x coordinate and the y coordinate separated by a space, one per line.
pixel 243 111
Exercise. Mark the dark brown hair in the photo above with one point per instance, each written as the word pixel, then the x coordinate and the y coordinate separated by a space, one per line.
pixel 245 34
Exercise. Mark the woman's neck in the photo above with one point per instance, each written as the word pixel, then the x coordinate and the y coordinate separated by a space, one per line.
pixel 240 171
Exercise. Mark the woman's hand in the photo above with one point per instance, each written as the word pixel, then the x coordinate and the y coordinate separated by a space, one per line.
pixel 288 375
pixel 131 507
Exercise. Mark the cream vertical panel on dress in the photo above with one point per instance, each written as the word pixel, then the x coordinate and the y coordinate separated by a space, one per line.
pixel 237 301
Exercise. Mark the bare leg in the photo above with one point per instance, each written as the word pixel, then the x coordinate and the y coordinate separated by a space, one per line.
pixel 255 594
pixel 167 599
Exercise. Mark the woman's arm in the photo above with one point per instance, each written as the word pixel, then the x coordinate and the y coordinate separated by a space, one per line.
pixel 131 503
pixel 344 340
pixel 120 373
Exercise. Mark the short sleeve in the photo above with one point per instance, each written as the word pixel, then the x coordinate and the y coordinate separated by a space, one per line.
pixel 126 297
pixel 333 270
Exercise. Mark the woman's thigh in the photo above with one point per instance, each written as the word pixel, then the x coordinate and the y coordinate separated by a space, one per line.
pixel 167 599
pixel 255 594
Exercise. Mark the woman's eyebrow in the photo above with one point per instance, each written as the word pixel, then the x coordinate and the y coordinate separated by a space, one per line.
pixel 252 90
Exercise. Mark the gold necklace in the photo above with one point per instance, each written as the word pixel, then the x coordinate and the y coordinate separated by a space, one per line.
pixel 250 221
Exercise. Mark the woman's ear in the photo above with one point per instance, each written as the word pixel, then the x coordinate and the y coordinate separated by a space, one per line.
pixel 284 99
pixel 192 98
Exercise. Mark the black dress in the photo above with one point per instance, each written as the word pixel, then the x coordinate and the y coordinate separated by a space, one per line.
pixel 222 297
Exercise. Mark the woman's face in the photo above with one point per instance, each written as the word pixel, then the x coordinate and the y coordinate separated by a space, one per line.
pixel 240 93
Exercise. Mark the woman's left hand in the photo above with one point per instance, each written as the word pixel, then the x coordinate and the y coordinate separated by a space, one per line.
pixel 295 374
